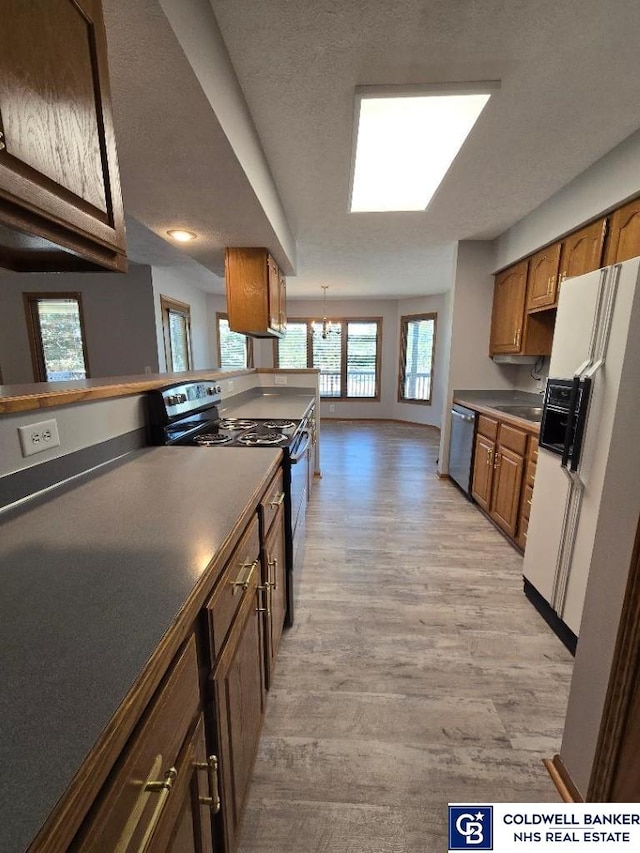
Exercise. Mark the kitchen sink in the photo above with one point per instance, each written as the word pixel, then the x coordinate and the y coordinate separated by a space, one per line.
pixel 530 413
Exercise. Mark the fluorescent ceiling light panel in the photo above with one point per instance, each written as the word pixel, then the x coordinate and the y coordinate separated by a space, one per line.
pixel 405 146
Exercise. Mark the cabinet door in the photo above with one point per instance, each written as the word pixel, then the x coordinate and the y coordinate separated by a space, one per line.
pixel 275 580
pixel 505 499
pixel 273 285
pixel 624 233
pixel 508 310
pixel 185 826
pixel 282 287
pixel 483 471
pixel 239 696
pixel 58 167
pixel 543 278
pixel 582 251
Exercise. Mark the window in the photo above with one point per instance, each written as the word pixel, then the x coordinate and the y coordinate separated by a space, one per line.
pixel 349 361
pixel 176 327
pixel 417 346
pixel 234 350
pixel 56 333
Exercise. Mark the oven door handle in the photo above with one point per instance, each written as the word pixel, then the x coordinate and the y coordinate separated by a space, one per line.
pixel 300 453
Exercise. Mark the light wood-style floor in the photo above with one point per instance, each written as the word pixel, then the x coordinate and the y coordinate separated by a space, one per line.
pixel 416 674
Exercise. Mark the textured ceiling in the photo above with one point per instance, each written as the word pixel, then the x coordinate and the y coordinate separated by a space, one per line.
pixel 569 94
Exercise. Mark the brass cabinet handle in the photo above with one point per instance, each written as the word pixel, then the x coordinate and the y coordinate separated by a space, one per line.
pixel 496 463
pixel 517 342
pixel 267 589
pixel 163 789
pixel 211 766
pixel 277 501
pixel 273 579
pixel 2 145
pixel 489 456
pixel 244 584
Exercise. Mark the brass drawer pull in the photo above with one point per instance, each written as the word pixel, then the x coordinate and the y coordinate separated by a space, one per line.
pixel 277 501
pixel 267 590
pixel 163 789
pixel 211 766
pixel 273 578
pixel 496 463
pixel 244 584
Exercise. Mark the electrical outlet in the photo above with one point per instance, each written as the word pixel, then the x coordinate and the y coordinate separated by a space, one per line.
pixel 36 438
pixel 279 380
pixel 332 407
pixel 229 384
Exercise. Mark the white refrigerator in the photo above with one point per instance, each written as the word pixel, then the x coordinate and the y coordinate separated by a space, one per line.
pixel 586 495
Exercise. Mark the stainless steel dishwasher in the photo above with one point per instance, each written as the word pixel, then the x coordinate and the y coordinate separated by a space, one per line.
pixel 463 424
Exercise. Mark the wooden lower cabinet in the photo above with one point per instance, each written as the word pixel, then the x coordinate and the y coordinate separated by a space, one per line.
pixel 274 582
pixel 238 689
pixel 146 801
pixel 181 782
pixel 501 453
pixel 483 471
pixel 505 498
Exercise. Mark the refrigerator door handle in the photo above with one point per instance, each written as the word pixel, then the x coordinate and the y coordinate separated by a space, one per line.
pixel 597 322
pixel 581 421
pixel 569 431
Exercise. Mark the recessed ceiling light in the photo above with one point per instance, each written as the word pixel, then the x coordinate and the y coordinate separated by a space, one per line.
pixel 407 140
pixel 182 236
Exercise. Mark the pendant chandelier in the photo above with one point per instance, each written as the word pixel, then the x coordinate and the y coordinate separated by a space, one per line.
pixel 328 327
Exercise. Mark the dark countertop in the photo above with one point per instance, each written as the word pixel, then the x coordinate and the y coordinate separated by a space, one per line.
pixel 94 574
pixel 272 403
pixel 484 402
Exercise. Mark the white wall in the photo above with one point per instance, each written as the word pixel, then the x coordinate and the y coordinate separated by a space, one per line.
pixel 611 180
pixel 118 318
pixel 416 412
pixel 470 367
pixel 175 284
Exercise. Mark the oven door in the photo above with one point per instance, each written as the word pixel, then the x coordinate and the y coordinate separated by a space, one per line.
pixel 298 479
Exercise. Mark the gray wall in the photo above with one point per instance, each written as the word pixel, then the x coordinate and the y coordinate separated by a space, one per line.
pixel 611 180
pixel 118 313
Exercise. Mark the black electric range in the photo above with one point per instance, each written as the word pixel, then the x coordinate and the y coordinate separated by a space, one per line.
pixel 186 413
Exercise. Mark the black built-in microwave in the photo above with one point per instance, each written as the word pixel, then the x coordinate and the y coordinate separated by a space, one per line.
pixel 564 415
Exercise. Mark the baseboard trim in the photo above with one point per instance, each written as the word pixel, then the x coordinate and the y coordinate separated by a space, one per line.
pixel 559 628
pixel 442 476
pixel 561 778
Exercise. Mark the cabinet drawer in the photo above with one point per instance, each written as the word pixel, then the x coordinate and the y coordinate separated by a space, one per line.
pixel 487 426
pixel 271 502
pixel 236 581
pixel 513 438
pixel 125 808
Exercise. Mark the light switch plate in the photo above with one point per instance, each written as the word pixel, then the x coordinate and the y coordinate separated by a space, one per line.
pixel 280 380
pixel 36 438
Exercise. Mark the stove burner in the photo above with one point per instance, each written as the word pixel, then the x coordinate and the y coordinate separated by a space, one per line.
pixel 255 439
pixel 207 439
pixel 279 425
pixel 235 424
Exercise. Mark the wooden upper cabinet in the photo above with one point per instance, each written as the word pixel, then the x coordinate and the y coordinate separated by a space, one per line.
pixel 255 293
pixel 508 310
pixel 624 233
pixel 60 200
pixel 543 278
pixel 582 251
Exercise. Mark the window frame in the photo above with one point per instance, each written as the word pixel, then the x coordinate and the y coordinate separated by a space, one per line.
pixel 167 305
pixel 405 319
pixel 222 315
pixel 343 322
pixel 36 346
